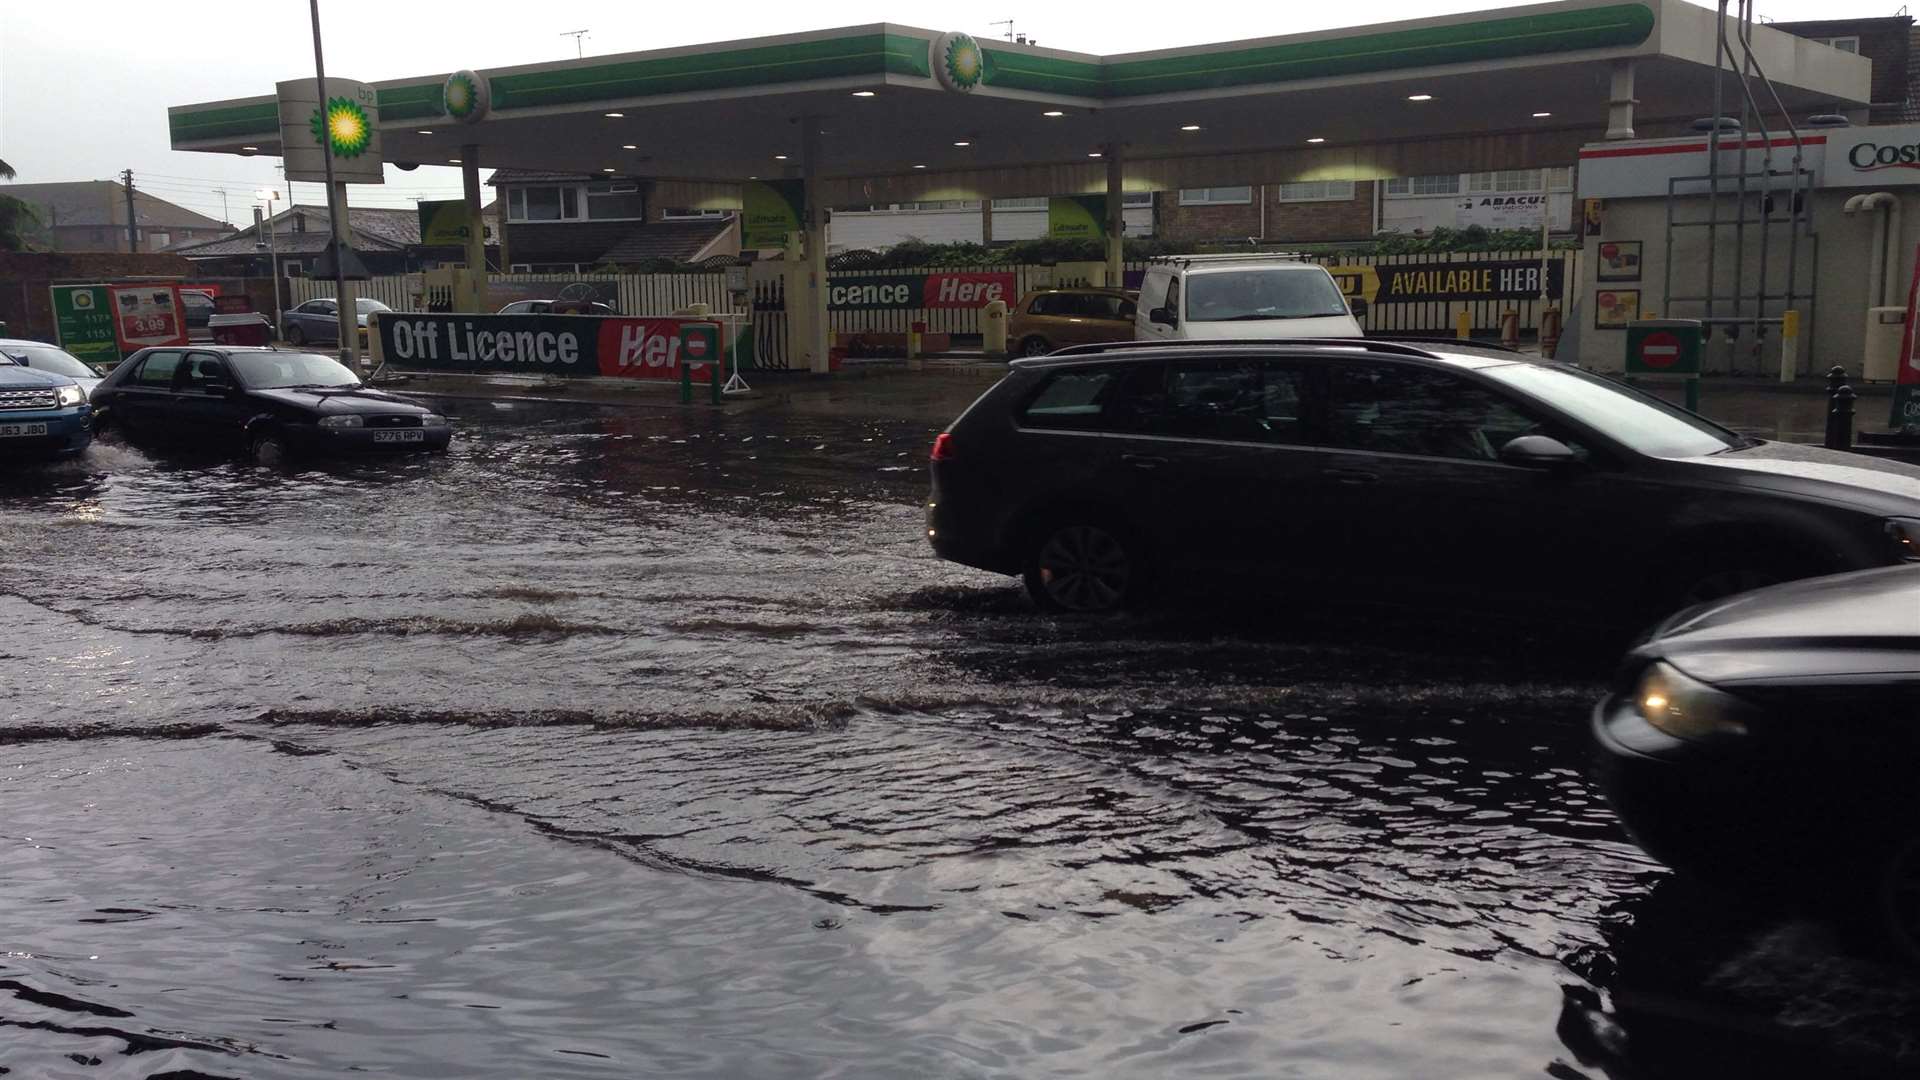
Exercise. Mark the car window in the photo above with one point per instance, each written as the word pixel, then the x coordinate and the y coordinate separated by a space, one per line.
pixel 200 370
pixel 1153 290
pixel 48 358
pixel 157 370
pixel 1239 401
pixel 1641 421
pixel 1044 304
pixel 1255 295
pixel 1111 397
pixel 1398 409
pixel 277 368
pixel 1173 298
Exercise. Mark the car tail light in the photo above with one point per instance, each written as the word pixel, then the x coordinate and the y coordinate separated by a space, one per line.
pixel 943 447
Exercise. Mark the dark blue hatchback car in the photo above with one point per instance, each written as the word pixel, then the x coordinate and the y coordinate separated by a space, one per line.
pixel 42 414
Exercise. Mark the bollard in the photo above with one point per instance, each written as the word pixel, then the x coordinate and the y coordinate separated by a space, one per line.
pixel 1549 332
pixel 686 382
pixel 1789 345
pixel 1840 416
pixel 713 379
pixel 916 339
pixel 1510 328
pixel 1463 326
pixel 1836 378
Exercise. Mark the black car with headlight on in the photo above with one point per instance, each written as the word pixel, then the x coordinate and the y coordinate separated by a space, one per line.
pixel 273 403
pixel 1771 742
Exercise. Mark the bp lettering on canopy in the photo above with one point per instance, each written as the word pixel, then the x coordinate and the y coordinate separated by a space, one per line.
pixel 567 346
pixel 881 292
pixel 1508 279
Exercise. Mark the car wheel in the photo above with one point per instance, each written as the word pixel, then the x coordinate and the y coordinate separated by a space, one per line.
pixel 296 336
pixel 1897 899
pixel 1084 568
pixel 1034 345
pixel 270 449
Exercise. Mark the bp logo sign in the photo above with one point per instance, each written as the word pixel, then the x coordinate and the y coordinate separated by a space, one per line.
pixel 958 63
pixel 467 96
pixel 343 124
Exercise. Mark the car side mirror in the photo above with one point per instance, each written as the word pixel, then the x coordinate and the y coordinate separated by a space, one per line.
pixel 1537 452
pixel 1161 315
pixel 1358 305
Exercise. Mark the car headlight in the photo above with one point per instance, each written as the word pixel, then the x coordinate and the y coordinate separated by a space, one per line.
pixel 72 395
pixel 433 419
pixel 348 421
pixel 1687 708
pixel 1905 534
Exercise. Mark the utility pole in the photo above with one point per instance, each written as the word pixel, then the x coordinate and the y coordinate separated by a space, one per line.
pixel 133 225
pixel 225 214
pixel 578 36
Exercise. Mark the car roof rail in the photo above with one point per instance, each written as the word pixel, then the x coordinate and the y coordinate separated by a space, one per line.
pixel 1372 345
pixel 1244 256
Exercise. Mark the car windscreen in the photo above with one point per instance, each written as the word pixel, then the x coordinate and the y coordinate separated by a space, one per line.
pixel 1255 294
pixel 364 305
pixel 1640 421
pixel 268 370
pixel 48 358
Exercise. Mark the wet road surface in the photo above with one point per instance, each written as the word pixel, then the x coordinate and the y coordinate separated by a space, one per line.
pixel 635 742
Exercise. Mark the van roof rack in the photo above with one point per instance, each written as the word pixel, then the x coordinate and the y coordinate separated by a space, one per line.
pixel 1372 345
pixel 1245 256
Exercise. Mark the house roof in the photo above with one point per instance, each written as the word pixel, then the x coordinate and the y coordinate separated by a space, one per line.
pixel 104 203
pixel 677 240
pixel 540 176
pixel 304 228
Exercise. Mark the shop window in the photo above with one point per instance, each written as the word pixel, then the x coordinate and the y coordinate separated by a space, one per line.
pixel 1216 196
pixel 1318 191
pixel 1486 183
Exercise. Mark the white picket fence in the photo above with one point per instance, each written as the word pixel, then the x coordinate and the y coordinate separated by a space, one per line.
pixel 638 294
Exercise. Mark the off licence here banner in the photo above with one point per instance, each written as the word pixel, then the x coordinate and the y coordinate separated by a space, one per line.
pixel 569 346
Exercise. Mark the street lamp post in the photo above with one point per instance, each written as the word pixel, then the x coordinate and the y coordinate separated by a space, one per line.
pixel 268 195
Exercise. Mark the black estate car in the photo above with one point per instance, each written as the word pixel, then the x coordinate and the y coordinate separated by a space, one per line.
pixel 274 403
pixel 1772 740
pixel 1422 473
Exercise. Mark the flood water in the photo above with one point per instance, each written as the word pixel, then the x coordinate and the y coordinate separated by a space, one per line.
pixel 639 742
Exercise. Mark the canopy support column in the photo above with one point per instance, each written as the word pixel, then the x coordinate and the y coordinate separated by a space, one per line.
pixel 1620 102
pixel 1116 218
pixel 476 233
pixel 819 334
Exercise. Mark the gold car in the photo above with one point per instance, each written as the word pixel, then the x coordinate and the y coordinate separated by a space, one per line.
pixel 1049 319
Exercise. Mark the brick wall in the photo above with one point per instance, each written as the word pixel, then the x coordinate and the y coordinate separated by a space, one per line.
pixel 1350 219
pixel 25 304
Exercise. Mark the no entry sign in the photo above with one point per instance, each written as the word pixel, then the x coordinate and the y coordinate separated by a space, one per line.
pixel 1663 347
pixel 1660 350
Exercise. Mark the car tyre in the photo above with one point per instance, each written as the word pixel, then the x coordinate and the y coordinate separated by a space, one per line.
pixel 1085 567
pixel 296 336
pixel 270 449
pixel 1034 345
pixel 1896 899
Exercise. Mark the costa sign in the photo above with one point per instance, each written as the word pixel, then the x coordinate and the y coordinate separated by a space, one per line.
pixel 1876 156
pixel 569 346
pixel 915 291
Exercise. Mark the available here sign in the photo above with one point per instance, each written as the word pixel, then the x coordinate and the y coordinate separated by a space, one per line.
pixel 569 346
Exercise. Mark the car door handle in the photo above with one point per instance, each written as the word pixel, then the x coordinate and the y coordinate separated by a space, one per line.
pixel 1143 461
pixel 1352 477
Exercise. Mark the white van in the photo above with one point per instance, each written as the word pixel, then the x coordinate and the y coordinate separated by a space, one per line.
pixel 1194 297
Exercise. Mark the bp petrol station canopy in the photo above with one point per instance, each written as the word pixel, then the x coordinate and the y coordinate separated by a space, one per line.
pixel 893 103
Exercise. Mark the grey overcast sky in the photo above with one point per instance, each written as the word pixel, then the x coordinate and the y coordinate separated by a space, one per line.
pixel 85 84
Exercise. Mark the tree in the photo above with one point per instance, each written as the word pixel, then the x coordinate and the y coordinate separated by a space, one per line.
pixel 19 225
pixel 6 171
